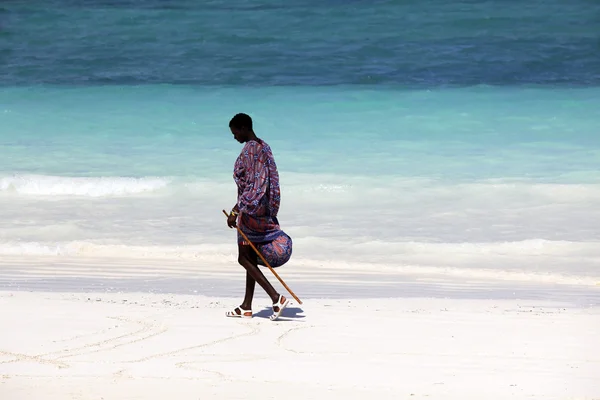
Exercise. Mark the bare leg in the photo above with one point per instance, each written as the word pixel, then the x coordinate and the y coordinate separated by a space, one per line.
pixel 247 259
pixel 250 284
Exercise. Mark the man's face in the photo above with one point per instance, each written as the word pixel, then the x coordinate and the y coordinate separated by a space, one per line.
pixel 238 134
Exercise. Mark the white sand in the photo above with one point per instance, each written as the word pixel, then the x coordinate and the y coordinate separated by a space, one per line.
pixel 430 340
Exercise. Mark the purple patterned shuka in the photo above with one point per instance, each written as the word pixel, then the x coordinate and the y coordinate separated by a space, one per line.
pixel 259 196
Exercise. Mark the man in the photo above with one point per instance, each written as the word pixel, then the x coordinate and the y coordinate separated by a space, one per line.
pixel 258 199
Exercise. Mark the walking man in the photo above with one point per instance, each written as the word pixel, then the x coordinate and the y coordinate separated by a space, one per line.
pixel 255 213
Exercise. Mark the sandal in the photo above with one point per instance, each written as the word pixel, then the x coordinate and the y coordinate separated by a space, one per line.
pixel 280 305
pixel 239 312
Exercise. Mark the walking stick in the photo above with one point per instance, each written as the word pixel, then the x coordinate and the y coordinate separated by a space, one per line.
pixel 265 261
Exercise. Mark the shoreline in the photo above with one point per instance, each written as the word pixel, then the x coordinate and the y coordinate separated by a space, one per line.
pixel 226 279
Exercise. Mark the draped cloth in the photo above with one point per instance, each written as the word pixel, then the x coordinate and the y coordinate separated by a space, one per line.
pixel 258 200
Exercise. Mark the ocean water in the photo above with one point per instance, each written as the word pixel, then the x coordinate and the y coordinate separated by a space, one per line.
pixel 459 138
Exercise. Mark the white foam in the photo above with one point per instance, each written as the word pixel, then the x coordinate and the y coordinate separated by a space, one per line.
pixel 482 228
pixel 44 185
pixel 212 252
pixel 308 186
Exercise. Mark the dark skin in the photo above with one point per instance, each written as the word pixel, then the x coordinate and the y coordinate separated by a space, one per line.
pixel 247 257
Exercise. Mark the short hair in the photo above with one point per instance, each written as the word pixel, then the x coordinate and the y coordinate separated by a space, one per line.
pixel 241 120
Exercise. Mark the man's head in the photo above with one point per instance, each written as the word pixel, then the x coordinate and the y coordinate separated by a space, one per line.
pixel 241 127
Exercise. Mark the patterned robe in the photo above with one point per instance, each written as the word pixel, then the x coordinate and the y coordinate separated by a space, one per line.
pixel 258 199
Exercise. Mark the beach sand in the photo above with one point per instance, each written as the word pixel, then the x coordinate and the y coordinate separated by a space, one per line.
pixel 126 329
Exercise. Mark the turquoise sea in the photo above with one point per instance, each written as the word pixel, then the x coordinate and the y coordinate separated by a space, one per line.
pixel 454 136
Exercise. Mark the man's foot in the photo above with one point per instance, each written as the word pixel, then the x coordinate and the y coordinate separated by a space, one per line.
pixel 239 312
pixel 278 307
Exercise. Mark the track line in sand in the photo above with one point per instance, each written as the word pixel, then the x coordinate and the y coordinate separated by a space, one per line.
pixel 17 357
pixel 254 330
pixel 147 331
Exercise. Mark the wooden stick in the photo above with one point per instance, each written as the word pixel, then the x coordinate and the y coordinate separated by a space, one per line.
pixel 265 261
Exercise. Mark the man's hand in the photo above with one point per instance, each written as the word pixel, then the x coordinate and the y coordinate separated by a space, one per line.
pixel 231 220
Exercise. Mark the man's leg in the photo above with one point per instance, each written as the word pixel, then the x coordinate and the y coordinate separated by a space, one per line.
pixel 250 284
pixel 247 259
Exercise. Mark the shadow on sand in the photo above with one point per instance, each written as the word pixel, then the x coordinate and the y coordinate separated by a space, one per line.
pixel 288 314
